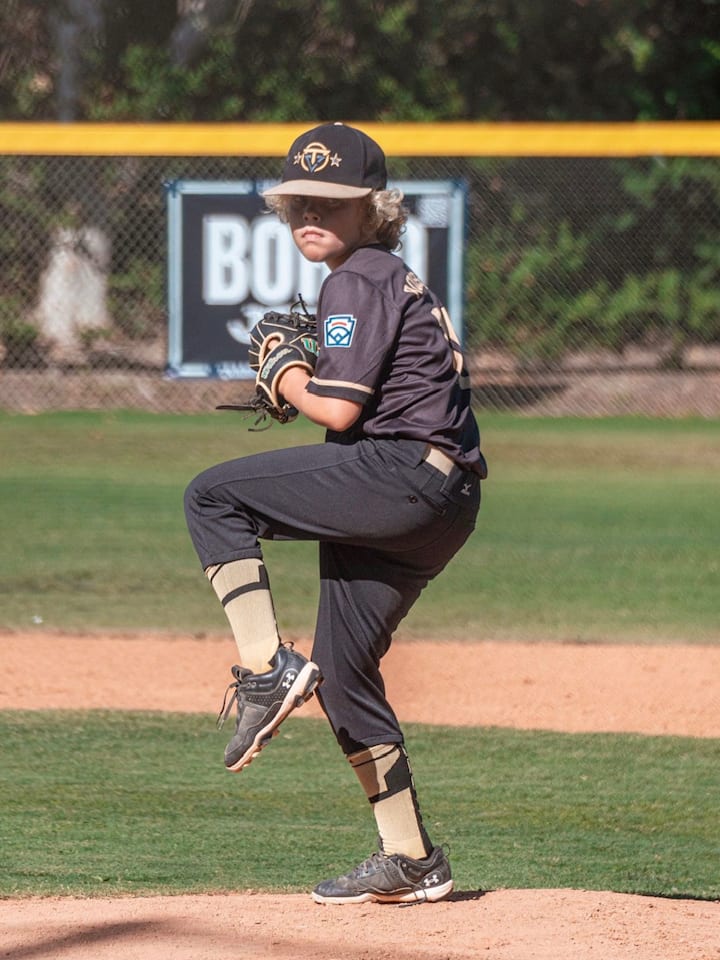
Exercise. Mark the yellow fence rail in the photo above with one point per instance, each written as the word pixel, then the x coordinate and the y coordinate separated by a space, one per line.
pixel 641 139
pixel 591 279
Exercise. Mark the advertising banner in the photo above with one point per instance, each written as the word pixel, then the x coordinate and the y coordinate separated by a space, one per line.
pixel 230 261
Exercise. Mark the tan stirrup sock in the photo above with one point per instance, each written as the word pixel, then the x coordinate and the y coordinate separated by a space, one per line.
pixel 243 588
pixel 386 778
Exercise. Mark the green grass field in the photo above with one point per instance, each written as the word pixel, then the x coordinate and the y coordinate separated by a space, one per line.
pixel 104 803
pixel 590 530
pixel 600 530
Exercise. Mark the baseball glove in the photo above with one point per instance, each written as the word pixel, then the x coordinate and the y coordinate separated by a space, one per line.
pixel 276 328
pixel 278 341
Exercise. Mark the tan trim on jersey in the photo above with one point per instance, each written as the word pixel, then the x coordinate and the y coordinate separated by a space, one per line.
pixel 343 383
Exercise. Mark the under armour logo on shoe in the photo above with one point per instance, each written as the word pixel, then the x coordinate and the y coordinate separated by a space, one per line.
pixel 289 679
pixel 431 880
pixel 466 487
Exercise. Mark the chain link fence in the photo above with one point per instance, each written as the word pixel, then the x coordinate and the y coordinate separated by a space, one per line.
pixel 591 285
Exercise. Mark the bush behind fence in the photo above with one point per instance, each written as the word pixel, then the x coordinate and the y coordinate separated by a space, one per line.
pixel 591 284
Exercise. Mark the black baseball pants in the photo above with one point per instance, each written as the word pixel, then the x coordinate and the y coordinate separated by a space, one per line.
pixel 386 521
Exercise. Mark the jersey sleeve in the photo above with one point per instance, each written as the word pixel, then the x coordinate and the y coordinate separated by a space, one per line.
pixel 357 327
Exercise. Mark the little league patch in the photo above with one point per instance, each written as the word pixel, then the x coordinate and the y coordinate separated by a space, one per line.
pixel 339 330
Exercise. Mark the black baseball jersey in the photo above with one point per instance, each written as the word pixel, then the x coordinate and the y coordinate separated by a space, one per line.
pixel 386 521
pixel 387 342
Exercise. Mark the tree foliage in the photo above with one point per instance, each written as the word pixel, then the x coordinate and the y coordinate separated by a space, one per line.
pixel 583 253
pixel 380 59
pixel 544 273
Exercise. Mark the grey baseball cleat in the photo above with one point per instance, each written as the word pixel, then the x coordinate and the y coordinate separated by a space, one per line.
pixel 264 700
pixel 390 879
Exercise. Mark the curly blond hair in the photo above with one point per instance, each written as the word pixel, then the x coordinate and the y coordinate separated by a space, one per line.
pixel 384 211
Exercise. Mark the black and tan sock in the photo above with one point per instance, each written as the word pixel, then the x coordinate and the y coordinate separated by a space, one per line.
pixel 243 588
pixel 385 775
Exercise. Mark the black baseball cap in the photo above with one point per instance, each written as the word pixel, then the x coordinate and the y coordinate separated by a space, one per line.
pixel 332 160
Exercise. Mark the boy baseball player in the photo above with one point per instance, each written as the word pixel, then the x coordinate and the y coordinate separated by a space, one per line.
pixel 390 496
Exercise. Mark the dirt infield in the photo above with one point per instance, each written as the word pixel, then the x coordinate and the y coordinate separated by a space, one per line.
pixel 565 687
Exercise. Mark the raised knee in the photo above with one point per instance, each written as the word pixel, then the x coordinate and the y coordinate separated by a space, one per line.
pixel 196 495
pixel 191 495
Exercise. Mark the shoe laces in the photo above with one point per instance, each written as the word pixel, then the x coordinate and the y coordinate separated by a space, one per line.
pixel 370 863
pixel 240 674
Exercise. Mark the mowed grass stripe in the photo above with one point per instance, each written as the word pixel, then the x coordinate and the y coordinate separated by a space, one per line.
pixel 101 803
pixel 589 530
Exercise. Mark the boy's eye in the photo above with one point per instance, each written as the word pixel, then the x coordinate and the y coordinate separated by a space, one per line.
pixel 316 203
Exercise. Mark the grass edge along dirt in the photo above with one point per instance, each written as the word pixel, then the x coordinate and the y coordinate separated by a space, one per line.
pixel 129 803
pixel 590 530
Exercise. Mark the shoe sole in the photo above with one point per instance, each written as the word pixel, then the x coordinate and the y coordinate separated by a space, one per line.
pixel 431 895
pixel 302 689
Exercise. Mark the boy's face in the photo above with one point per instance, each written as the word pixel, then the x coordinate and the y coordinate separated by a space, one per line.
pixel 327 231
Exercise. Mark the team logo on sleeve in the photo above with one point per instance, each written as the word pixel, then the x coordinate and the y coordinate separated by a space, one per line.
pixel 413 284
pixel 339 330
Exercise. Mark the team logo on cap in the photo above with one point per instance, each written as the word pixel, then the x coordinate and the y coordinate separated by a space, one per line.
pixel 315 157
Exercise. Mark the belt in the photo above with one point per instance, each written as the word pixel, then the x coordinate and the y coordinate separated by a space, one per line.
pixel 441 461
